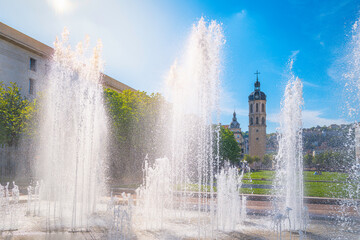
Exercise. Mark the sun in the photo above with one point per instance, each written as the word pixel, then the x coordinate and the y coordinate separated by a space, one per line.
pixel 61 6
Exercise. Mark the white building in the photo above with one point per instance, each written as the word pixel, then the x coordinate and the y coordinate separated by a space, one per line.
pixel 23 60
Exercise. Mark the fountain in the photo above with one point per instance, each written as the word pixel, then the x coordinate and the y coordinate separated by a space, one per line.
pixel 289 184
pixel 231 207
pixel 352 87
pixel 155 194
pixel 187 194
pixel 72 138
pixel 9 213
pixel 189 174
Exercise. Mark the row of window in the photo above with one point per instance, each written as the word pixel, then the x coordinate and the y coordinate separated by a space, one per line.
pixel 257 107
pixel 257 121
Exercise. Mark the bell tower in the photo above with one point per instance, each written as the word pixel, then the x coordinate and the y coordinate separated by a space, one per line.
pixel 257 121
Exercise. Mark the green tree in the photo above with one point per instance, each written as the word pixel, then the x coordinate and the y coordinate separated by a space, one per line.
pixel 320 159
pixel 138 121
pixel 16 113
pixel 248 159
pixel 252 160
pixel 308 160
pixel 256 160
pixel 229 147
pixel 267 160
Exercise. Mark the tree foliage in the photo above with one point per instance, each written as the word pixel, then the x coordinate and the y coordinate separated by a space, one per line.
pixel 267 161
pixel 308 160
pixel 333 160
pixel 138 121
pixel 229 148
pixel 16 113
pixel 251 159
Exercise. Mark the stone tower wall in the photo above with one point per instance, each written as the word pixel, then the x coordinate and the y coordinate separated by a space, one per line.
pixel 257 129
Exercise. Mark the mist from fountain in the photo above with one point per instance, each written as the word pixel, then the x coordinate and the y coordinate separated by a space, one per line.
pixel 9 211
pixel 193 87
pixel 352 72
pixel 289 184
pixel 231 207
pixel 186 180
pixel 73 137
pixel 153 197
pixel 352 92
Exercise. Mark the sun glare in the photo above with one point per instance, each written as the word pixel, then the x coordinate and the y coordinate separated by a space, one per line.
pixel 61 6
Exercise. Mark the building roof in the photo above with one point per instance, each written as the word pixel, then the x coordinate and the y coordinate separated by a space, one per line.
pixel 112 83
pixel 24 41
pixel 234 123
pixel 18 38
pixel 257 95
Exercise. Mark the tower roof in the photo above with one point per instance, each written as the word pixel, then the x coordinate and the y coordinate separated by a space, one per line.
pixel 234 123
pixel 257 94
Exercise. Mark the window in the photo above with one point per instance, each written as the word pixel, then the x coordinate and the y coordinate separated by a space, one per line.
pixel 257 139
pixel 33 64
pixel 251 108
pixel 263 107
pixel 31 86
pixel 257 120
pixel 251 121
pixel 257 130
pixel 263 121
pixel 257 107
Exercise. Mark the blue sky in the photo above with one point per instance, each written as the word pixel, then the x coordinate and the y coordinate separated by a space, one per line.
pixel 141 39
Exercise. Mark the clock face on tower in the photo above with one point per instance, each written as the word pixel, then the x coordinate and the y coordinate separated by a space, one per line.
pixel 256 96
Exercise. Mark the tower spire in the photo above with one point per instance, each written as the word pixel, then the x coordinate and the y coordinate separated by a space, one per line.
pixel 257 83
pixel 257 75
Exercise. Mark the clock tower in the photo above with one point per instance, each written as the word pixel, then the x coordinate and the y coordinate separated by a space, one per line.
pixel 257 121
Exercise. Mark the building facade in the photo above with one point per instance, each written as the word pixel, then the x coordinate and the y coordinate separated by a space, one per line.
pixel 24 61
pixel 235 128
pixel 257 121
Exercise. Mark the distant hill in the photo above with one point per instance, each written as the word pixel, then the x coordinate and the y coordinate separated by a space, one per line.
pixel 271 143
pixel 333 138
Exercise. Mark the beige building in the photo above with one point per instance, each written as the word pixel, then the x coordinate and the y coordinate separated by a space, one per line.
pixel 257 121
pixel 235 128
pixel 24 60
